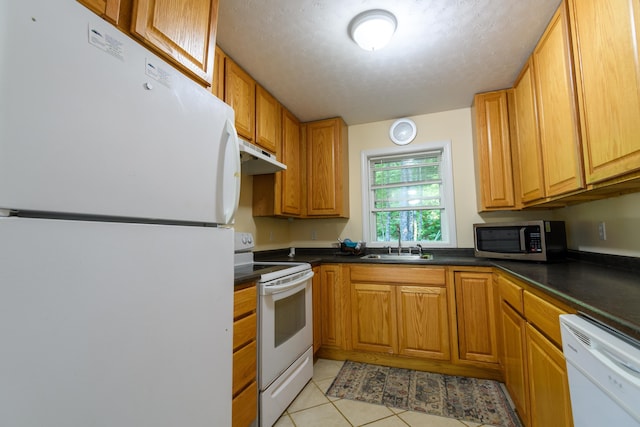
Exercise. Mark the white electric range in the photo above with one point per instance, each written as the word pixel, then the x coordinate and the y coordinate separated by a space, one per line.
pixel 285 328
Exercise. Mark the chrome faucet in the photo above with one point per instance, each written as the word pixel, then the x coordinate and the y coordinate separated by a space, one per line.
pixel 399 240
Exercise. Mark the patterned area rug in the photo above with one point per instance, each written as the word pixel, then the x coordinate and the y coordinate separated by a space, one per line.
pixel 470 399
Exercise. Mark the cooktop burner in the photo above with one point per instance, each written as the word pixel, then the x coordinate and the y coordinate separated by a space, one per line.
pixel 261 268
pixel 245 266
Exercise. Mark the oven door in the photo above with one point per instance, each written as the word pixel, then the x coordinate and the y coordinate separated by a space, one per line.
pixel 286 330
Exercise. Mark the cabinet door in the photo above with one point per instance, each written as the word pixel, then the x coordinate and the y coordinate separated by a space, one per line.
pixel 373 318
pixel 476 316
pixel 317 309
pixel 327 168
pixel 244 408
pixel 109 9
pixel 548 382
pixel 493 152
pixel 423 322
pixel 184 31
pixel 556 107
pixel 240 94
pixel 268 120
pixel 332 306
pixel 290 180
pixel 527 140
pixel 606 47
pixel 244 387
pixel 217 88
pixel 514 359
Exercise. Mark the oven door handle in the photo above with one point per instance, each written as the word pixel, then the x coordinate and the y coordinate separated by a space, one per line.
pixel 290 287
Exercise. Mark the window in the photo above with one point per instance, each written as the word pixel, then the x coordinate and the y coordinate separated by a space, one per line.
pixel 408 192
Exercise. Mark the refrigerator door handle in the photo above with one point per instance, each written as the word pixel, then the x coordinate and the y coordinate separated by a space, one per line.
pixel 229 174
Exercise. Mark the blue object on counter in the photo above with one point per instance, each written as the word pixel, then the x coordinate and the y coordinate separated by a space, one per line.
pixel 350 244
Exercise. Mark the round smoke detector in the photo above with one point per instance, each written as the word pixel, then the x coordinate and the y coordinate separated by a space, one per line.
pixel 402 131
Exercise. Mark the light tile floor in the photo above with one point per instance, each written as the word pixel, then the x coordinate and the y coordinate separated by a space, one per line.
pixel 312 408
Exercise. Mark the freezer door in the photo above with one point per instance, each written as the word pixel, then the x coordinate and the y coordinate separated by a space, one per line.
pixel 93 123
pixel 106 324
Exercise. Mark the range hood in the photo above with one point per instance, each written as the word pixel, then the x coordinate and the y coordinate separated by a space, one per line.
pixel 256 161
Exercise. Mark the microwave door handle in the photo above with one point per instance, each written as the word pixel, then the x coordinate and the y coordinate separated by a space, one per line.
pixel 523 248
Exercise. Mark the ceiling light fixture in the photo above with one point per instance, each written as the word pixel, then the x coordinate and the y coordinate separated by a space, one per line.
pixel 372 29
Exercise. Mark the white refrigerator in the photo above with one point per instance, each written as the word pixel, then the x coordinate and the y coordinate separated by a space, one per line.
pixel 119 179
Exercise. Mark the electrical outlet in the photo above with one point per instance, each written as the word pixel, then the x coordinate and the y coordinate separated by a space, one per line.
pixel 313 235
pixel 271 236
pixel 602 230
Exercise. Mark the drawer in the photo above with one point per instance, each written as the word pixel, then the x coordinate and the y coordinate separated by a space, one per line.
pixel 244 367
pixel 244 301
pixel 544 315
pixel 398 274
pixel 244 330
pixel 244 408
pixel 511 293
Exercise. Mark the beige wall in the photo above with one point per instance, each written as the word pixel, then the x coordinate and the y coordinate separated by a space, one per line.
pixel 454 126
pixel 621 214
pixel 269 233
pixel 449 125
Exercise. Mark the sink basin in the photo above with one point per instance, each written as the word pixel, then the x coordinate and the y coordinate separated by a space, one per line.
pixel 404 257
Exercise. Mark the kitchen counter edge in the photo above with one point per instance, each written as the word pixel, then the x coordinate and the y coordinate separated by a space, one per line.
pixel 609 295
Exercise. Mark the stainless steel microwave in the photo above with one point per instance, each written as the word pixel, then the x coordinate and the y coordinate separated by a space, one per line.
pixel 523 240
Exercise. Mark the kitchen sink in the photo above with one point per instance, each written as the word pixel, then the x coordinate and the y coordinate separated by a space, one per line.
pixel 404 257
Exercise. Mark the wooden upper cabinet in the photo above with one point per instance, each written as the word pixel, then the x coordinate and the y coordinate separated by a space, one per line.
pixel 182 30
pixel 606 47
pixel 494 173
pixel 217 87
pixel 240 94
pixel 268 120
pixel 282 193
pixel 290 180
pixel 557 108
pixel 108 9
pixel 327 169
pixel 528 154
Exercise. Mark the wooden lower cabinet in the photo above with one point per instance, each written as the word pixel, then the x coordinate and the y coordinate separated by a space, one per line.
pixel 242 415
pixel 373 318
pixel 475 311
pixel 317 309
pixel 400 311
pixel 534 367
pixel 548 382
pixel 514 359
pixel 333 307
pixel 423 322
pixel 244 408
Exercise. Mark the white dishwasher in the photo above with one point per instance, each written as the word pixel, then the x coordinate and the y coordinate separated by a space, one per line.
pixel 604 374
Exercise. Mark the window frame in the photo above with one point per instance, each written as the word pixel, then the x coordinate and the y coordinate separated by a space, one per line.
pixel 448 219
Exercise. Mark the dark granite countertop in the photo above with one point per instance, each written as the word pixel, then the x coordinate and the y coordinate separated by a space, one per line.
pixel 608 294
pixel 606 290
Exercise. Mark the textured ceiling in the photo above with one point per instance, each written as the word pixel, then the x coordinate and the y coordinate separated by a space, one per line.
pixel 442 53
